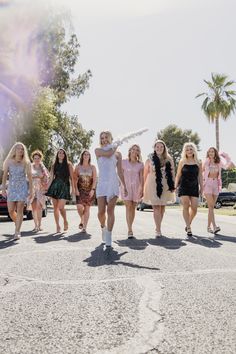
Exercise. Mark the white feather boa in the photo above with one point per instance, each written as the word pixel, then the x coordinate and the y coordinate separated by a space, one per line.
pixel 125 138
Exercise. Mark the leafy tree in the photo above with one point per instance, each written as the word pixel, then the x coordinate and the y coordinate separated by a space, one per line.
pixel 219 101
pixel 175 137
pixel 69 134
pixel 228 176
pixel 58 68
pixel 41 123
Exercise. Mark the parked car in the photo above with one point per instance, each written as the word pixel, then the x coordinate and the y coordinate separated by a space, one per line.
pixel 225 199
pixel 27 213
pixel 141 206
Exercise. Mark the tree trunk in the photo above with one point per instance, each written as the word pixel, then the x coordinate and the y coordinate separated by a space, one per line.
pixel 217 133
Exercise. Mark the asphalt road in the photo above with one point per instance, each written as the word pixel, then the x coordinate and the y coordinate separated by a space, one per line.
pixel 66 294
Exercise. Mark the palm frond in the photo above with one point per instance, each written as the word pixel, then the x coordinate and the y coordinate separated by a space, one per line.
pixel 218 80
pixel 201 94
pixel 229 83
pixel 230 93
pixel 204 104
pixel 209 84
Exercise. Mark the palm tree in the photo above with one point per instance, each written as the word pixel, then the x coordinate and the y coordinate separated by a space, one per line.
pixel 219 101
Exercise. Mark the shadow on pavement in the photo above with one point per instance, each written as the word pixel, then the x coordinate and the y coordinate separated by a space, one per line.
pixel 225 238
pixel 79 236
pixel 166 242
pixel 134 243
pixel 204 241
pixel 101 256
pixel 141 244
pixel 7 243
pixel 49 238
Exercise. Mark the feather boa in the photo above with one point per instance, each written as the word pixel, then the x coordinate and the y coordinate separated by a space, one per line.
pixel 168 173
pixel 125 138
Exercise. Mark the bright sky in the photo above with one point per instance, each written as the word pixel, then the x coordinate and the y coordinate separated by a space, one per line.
pixel 148 59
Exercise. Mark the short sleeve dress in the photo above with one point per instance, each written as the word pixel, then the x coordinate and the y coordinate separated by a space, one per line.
pixel 132 180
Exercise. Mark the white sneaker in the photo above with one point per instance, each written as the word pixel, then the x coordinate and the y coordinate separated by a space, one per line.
pixel 104 229
pixel 108 238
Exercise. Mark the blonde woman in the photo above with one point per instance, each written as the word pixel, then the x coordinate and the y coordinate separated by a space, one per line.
pixel 133 174
pixel 17 166
pixel 107 192
pixel 40 177
pixel 159 182
pixel 189 183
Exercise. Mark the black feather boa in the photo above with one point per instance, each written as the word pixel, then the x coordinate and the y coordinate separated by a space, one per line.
pixel 168 172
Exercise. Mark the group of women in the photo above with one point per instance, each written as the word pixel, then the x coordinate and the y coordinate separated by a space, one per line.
pixel 154 183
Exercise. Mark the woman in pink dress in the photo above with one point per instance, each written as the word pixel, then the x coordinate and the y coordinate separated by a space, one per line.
pixel 212 182
pixel 133 174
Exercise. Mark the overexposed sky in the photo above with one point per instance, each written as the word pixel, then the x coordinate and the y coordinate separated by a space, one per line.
pixel 148 60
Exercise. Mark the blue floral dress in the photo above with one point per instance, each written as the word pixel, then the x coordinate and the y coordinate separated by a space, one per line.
pixel 17 190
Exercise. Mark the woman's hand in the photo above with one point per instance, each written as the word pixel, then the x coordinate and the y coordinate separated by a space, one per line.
pixel 30 195
pixel 140 193
pixel 201 191
pixel 125 191
pixel 4 193
pixel 77 193
pixel 91 193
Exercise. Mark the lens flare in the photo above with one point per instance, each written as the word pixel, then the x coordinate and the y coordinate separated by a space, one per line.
pixel 23 59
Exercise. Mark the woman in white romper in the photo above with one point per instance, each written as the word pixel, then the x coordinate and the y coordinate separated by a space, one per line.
pixel 110 171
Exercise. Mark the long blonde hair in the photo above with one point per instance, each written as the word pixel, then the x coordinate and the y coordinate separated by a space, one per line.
pixel 12 155
pixel 194 148
pixel 139 156
pixel 109 136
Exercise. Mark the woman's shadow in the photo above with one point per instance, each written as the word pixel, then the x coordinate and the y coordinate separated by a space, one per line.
pixel 141 244
pixel 109 256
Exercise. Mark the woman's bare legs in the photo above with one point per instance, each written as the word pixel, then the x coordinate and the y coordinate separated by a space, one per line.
pixel 130 207
pixel 80 209
pixel 12 210
pixel 211 200
pixel 185 200
pixel 158 213
pixel 102 210
pixel 86 216
pixel 61 206
pixel 19 217
pixel 56 214
pixel 37 213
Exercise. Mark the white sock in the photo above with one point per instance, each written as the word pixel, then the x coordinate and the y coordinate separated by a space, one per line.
pixel 104 234
pixel 108 238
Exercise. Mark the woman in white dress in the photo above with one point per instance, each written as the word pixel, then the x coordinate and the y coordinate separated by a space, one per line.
pixel 110 171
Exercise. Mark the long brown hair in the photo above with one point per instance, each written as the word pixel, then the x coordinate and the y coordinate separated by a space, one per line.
pixel 82 157
pixel 217 157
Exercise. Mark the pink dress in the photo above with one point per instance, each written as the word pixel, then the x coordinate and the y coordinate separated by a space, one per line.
pixel 132 180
